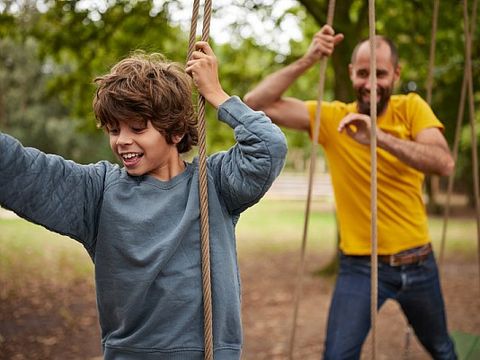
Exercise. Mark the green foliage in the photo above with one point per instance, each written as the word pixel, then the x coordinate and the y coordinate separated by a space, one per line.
pixel 26 111
pixel 57 53
pixel 92 44
pixel 409 24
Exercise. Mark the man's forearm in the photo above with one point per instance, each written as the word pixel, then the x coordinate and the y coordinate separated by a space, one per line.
pixel 273 86
pixel 427 158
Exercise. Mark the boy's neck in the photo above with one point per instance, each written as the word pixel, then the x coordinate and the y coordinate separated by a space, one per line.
pixel 167 173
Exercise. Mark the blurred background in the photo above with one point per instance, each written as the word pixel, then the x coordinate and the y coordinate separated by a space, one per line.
pixel 50 52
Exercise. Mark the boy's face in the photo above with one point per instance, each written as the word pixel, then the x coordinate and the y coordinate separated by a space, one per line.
pixel 143 149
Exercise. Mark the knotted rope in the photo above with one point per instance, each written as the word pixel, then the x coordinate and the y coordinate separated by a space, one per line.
pixel 203 185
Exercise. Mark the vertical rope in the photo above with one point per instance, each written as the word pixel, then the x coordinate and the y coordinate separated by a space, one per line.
pixel 373 176
pixel 313 157
pixel 433 40
pixel 193 28
pixel 434 178
pixel 458 127
pixel 203 187
pixel 468 64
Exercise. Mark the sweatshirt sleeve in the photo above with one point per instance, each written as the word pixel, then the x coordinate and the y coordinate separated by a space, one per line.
pixel 245 172
pixel 48 190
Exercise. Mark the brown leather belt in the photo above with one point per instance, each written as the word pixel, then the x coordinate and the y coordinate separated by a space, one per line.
pixel 407 257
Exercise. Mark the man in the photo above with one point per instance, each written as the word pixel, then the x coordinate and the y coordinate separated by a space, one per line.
pixel 410 143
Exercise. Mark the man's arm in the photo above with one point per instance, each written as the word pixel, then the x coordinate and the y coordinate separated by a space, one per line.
pixel 267 96
pixel 428 152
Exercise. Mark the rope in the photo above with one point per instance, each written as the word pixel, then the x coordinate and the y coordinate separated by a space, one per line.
pixel 373 176
pixel 313 156
pixel 460 114
pixel 468 60
pixel 203 186
pixel 431 63
pixel 434 178
pixel 193 29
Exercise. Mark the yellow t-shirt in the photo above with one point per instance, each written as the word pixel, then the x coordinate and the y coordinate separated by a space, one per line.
pixel 401 216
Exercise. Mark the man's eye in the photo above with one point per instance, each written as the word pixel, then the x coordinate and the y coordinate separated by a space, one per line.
pixel 138 129
pixel 112 131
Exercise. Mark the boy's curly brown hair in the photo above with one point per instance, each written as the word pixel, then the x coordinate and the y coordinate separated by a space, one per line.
pixel 148 87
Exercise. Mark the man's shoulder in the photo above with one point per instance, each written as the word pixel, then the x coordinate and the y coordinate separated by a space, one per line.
pixel 404 99
pixel 410 103
pixel 334 105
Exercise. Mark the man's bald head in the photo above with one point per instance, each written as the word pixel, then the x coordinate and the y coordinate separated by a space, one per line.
pixel 378 41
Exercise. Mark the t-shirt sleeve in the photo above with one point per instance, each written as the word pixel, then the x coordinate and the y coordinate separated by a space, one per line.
pixel 327 113
pixel 421 114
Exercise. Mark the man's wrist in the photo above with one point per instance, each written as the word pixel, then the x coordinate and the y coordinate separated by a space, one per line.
pixel 306 62
pixel 383 139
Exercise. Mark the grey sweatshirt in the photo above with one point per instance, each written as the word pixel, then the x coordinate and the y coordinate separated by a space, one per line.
pixel 143 235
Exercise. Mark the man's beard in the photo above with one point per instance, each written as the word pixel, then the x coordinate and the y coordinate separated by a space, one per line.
pixel 364 106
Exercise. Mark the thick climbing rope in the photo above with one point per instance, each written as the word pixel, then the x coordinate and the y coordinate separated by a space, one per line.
pixel 313 159
pixel 373 177
pixel 468 64
pixel 203 186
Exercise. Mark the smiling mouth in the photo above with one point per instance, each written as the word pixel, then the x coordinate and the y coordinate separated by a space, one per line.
pixel 130 159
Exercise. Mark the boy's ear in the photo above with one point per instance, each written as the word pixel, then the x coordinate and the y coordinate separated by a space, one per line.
pixel 177 138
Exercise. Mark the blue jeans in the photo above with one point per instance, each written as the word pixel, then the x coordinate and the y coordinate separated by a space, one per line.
pixel 416 287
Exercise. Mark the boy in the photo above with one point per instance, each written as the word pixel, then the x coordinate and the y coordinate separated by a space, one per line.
pixel 140 223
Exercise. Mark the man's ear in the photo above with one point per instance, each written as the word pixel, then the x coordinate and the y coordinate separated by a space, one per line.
pixel 397 72
pixel 350 70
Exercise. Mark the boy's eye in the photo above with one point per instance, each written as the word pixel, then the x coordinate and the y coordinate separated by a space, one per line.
pixel 138 128
pixel 112 131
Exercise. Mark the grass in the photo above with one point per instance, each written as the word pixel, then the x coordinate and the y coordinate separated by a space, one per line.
pixel 274 225
pixel 28 250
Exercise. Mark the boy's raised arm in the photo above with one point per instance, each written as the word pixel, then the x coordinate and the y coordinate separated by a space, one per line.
pixel 49 190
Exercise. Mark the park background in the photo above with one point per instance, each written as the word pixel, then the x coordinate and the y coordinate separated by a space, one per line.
pixel 50 51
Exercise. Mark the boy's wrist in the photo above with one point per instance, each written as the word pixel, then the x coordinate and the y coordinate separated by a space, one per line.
pixel 218 98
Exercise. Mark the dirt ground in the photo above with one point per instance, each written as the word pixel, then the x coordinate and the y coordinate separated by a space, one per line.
pixel 49 321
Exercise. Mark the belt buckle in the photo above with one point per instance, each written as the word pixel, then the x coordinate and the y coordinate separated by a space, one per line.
pixel 392 261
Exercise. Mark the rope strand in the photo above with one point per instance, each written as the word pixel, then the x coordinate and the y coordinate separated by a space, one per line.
pixel 373 176
pixel 313 155
pixel 456 143
pixel 468 64
pixel 203 187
